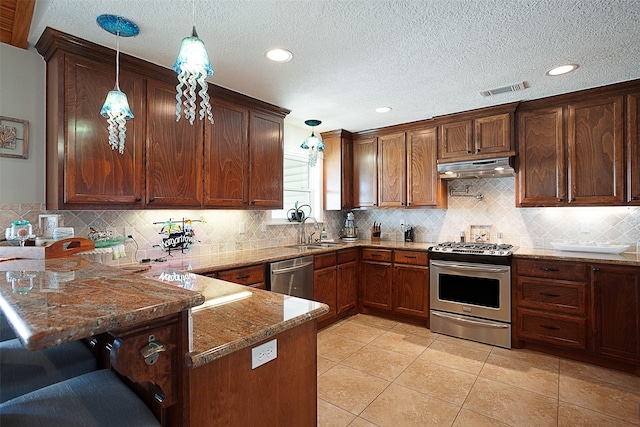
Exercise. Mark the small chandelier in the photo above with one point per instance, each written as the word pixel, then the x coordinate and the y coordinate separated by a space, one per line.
pixel 313 143
pixel 116 107
pixel 193 67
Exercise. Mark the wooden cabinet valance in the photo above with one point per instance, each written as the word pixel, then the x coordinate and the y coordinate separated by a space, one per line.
pixel 234 163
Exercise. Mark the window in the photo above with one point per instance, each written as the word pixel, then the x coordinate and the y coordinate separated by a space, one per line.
pixel 301 184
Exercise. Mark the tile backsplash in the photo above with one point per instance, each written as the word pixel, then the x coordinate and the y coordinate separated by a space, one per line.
pixel 219 230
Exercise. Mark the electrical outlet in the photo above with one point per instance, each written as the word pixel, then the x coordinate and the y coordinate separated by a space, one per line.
pixel 264 353
pixel 130 231
pixel 264 227
pixel 584 227
pixel 241 227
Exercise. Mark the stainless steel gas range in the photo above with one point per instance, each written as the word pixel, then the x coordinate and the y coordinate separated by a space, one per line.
pixel 470 291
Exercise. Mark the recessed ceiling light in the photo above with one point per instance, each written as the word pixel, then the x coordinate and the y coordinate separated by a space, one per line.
pixel 279 55
pixel 382 109
pixel 563 69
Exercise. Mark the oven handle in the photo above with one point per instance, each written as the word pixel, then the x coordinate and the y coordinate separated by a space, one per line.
pixel 476 322
pixel 469 267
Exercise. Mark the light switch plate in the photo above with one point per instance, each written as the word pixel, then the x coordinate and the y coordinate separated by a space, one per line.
pixel 264 353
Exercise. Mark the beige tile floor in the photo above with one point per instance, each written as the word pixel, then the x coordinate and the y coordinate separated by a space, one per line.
pixel 377 372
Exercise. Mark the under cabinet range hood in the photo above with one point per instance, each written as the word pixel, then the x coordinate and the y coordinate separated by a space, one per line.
pixel 487 168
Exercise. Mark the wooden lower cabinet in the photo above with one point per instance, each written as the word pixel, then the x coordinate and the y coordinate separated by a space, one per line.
pixel 324 283
pixel 411 283
pixel 577 310
pixel 347 281
pixel 615 319
pixel 376 275
pixel 252 276
pixel 282 392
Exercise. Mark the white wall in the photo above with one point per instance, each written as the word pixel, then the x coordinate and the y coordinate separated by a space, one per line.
pixel 22 96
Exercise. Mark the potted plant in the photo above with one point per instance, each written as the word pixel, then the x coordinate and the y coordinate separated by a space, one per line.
pixel 296 213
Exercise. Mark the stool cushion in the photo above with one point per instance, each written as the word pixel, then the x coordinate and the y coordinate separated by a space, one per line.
pixel 95 399
pixel 23 371
pixel 6 333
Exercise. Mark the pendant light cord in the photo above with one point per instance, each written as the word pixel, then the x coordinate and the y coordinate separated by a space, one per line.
pixel 118 60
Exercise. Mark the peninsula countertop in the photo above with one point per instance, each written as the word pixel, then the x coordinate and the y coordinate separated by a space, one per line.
pixel 234 316
pixel 53 301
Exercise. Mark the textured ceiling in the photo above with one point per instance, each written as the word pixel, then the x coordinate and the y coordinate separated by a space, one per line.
pixel 422 58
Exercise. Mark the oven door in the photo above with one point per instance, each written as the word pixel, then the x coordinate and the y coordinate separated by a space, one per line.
pixel 477 290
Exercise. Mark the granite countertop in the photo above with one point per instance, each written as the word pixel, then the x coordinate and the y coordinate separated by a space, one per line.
pixel 234 316
pixel 52 301
pixel 204 264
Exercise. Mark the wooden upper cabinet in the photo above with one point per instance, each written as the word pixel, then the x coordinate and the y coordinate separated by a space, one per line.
pixel 424 187
pixel 391 170
pixel 456 140
pixel 477 135
pixel 93 173
pixel 338 170
pixel 365 172
pixel 541 178
pixel 266 158
pixel 633 148
pixel 226 151
pixel 493 135
pixel 596 151
pixel 174 151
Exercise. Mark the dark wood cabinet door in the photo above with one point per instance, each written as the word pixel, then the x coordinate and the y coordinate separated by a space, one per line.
pixel 174 151
pixel 365 172
pixel 424 188
pixel 616 312
pixel 338 170
pixel 266 157
pixel 633 148
pixel 324 290
pixel 493 135
pixel 375 285
pixel 347 286
pixel 411 290
pixel 596 152
pixel 226 150
pixel 95 174
pixel 391 170
pixel 456 140
pixel 541 178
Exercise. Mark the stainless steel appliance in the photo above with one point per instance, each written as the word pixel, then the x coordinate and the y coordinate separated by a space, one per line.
pixel 292 277
pixel 470 291
pixel 350 232
pixel 487 168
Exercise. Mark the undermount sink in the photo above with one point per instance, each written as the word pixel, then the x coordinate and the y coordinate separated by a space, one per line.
pixel 313 246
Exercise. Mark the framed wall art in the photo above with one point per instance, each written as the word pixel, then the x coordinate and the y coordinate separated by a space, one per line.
pixel 14 138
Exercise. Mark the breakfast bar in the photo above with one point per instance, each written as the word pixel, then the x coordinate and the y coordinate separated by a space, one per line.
pixel 185 344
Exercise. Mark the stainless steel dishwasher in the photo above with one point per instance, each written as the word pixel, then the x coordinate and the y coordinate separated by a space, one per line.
pixel 292 277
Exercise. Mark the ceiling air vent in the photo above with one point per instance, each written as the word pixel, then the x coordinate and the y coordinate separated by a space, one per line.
pixel 504 89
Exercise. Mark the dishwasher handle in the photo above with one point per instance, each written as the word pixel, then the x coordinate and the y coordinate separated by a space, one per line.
pixel 295 267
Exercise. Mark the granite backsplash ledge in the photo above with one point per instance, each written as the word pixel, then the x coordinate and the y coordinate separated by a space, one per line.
pixel 219 230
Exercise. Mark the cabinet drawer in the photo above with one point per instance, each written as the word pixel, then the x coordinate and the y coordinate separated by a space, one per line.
pixel 565 331
pixel 244 275
pixel 347 255
pixel 552 270
pixel 324 260
pixel 376 254
pixel 567 297
pixel 410 257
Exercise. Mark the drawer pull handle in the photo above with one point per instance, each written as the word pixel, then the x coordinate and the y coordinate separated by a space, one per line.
pixel 242 277
pixel 548 294
pixel 410 256
pixel 549 269
pixel 376 255
pixel 551 328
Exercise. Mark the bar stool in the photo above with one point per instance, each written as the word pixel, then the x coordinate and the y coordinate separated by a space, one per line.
pixel 97 399
pixel 23 371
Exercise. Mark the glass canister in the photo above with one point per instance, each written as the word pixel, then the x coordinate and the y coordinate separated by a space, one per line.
pixel 21 230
